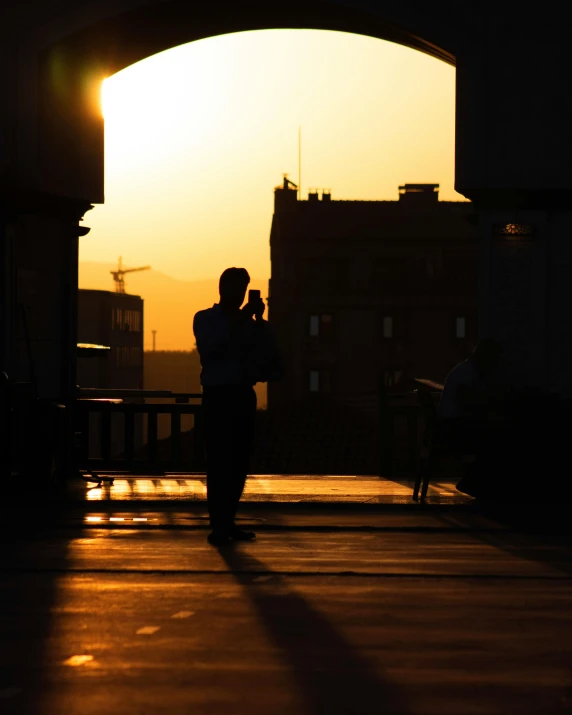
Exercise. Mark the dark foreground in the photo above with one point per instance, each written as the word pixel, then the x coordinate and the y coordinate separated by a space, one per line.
pixel 387 609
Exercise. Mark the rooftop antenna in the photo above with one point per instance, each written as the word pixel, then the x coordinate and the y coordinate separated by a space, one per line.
pixel 120 272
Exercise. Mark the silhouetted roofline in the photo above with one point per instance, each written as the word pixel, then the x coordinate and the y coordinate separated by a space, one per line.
pixel 109 292
pixel 396 202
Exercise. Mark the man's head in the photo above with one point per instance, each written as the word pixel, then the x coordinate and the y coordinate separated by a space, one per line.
pixel 487 354
pixel 232 287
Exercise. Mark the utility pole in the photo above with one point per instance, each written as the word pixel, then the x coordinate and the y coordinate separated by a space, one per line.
pixel 154 337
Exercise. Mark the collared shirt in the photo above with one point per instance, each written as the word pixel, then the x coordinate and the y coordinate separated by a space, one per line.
pixel 231 351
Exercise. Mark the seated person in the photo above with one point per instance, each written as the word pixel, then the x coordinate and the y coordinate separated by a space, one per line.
pixel 471 406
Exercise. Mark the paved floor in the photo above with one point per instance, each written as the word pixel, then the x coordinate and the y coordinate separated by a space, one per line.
pixel 120 606
pixel 271 488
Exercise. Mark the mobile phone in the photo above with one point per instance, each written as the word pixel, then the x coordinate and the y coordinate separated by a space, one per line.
pixel 253 296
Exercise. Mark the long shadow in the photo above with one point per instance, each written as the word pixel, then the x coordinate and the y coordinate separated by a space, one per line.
pixel 529 533
pixel 332 676
pixel 29 542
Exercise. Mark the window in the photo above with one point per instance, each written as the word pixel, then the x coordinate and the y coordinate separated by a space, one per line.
pixel 326 324
pixel 116 318
pixel 321 325
pixel 461 327
pixel 314 381
pixel 121 356
pixel 126 320
pixel 320 380
pixel 128 356
pixel 388 327
pixel 314 325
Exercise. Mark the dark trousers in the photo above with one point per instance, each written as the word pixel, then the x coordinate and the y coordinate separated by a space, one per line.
pixel 229 414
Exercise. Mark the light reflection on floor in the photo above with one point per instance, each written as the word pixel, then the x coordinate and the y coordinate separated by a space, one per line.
pixel 266 487
pixel 96 519
pixel 149 488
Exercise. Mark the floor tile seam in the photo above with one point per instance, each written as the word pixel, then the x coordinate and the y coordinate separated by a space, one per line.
pixel 390 575
pixel 285 528
pixel 387 503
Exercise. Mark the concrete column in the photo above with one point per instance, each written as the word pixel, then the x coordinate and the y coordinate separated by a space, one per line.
pixel 513 289
pixel 513 157
pixel 525 293
pixel 559 299
pixel 38 309
pixel 38 316
pixel 7 299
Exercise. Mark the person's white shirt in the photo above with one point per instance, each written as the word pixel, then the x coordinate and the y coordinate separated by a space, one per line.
pixel 463 374
pixel 230 357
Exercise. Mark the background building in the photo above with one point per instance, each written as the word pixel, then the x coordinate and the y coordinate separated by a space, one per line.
pixel 116 320
pixel 363 290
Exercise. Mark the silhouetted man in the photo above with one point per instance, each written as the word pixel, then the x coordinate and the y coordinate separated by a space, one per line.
pixel 471 409
pixel 236 351
pixel 469 390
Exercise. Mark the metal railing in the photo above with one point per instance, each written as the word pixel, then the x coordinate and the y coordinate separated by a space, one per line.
pixel 98 412
pixel 392 406
pixel 114 435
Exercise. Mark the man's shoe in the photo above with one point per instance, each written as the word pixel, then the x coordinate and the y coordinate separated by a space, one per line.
pixel 219 538
pixel 241 535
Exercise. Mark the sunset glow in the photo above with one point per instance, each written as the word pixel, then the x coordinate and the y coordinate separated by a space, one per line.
pixel 198 137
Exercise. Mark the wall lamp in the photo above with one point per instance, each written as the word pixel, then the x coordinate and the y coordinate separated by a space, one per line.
pixel 512 230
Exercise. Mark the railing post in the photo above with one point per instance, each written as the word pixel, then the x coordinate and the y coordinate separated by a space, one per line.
pixel 129 436
pixel 81 436
pixel 5 427
pixel 129 459
pixel 198 456
pixel 105 434
pixel 152 435
pixel 385 432
pixel 175 437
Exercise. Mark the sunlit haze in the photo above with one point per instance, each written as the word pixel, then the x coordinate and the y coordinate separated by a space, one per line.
pixel 198 137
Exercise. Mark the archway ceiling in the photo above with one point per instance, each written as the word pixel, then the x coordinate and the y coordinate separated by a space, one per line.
pixel 120 40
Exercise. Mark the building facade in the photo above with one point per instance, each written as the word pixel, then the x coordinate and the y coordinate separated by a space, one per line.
pixel 368 290
pixel 115 320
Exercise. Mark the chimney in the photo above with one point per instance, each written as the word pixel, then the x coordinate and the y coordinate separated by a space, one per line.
pixel 419 194
pixel 285 196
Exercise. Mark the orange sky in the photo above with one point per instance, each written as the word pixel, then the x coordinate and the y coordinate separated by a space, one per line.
pixel 197 138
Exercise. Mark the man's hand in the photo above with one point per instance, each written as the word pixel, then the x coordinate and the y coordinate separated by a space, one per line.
pixel 255 309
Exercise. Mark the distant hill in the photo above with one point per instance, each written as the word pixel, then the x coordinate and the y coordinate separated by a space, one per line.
pixel 170 304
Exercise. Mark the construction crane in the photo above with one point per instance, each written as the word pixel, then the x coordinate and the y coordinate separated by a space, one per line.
pixel 120 272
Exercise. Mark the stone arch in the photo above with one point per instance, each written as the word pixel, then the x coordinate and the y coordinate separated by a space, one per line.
pixel 512 147
pixel 78 54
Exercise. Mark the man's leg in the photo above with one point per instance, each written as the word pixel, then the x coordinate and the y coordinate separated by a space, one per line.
pixel 244 416
pixel 219 441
